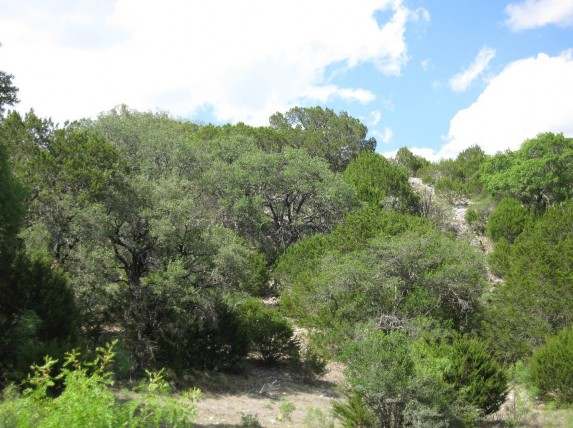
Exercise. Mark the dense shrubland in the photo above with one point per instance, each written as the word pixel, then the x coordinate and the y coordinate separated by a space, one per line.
pixel 164 235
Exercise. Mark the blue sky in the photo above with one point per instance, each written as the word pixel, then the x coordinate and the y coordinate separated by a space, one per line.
pixel 436 76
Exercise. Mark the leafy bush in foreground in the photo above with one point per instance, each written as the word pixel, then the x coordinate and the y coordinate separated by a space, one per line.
pixel 87 401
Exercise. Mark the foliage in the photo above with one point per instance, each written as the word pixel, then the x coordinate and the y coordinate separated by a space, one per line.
pixel 474 373
pixel 379 182
pixel 38 314
pixel 409 161
pixel 315 418
pixel 275 199
pixel 249 420
pixel 478 213
pixel 11 208
pixel 500 258
pixel 538 174
pixel 393 280
pixel 286 408
pixel 536 298
pixel 508 220
pixel 152 144
pixel 399 380
pixel 310 362
pixel 353 411
pixel 458 178
pixel 270 333
pixel 87 401
pixel 298 266
pixel 338 138
pixel 211 335
pixel 383 376
pixel 551 368
pixel 8 92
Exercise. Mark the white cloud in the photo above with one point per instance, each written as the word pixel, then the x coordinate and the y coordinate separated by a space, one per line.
pixel 529 96
pixel 245 59
pixel 425 64
pixel 461 81
pixel 324 93
pixel 383 137
pixel 536 13
pixel 424 152
pixel 375 117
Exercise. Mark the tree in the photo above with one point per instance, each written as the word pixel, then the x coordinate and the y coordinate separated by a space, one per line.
pixel 321 132
pixel 409 161
pixel 393 278
pixel 275 199
pixel 8 92
pixel 536 298
pixel 539 174
pixel 405 381
pixel 551 368
pixel 11 208
pixel 457 178
pixel 508 220
pixel 37 306
pixel 379 182
pixel 152 144
pixel 25 137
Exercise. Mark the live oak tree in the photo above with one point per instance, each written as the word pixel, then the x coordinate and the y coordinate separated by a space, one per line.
pixel 539 174
pixel 275 199
pixel 338 138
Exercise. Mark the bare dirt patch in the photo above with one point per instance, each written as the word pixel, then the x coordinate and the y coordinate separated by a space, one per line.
pixel 260 392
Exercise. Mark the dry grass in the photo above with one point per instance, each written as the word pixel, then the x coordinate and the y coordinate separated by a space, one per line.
pixel 228 399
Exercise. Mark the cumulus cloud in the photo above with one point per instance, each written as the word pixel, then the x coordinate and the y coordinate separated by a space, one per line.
pixel 384 136
pixel 375 117
pixel 461 81
pixel 529 96
pixel 242 59
pixel 424 152
pixel 530 14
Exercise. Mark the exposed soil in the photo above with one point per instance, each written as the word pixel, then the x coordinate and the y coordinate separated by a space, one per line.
pixel 229 400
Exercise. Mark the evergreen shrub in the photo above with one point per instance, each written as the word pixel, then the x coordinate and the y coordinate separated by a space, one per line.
pixel 552 367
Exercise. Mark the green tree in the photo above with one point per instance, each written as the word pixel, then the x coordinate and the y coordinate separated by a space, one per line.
pixel 474 373
pixel 392 278
pixel 379 182
pixel 406 381
pixel 508 220
pixel 153 144
pixel 457 178
pixel 539 174
pixel 338 138
pixel 8 92
pixel 37 307
pixel 536 298
pixel 411 162
pixel 551 368
pixel 275 199
pixel 25 137
pixel 11 209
